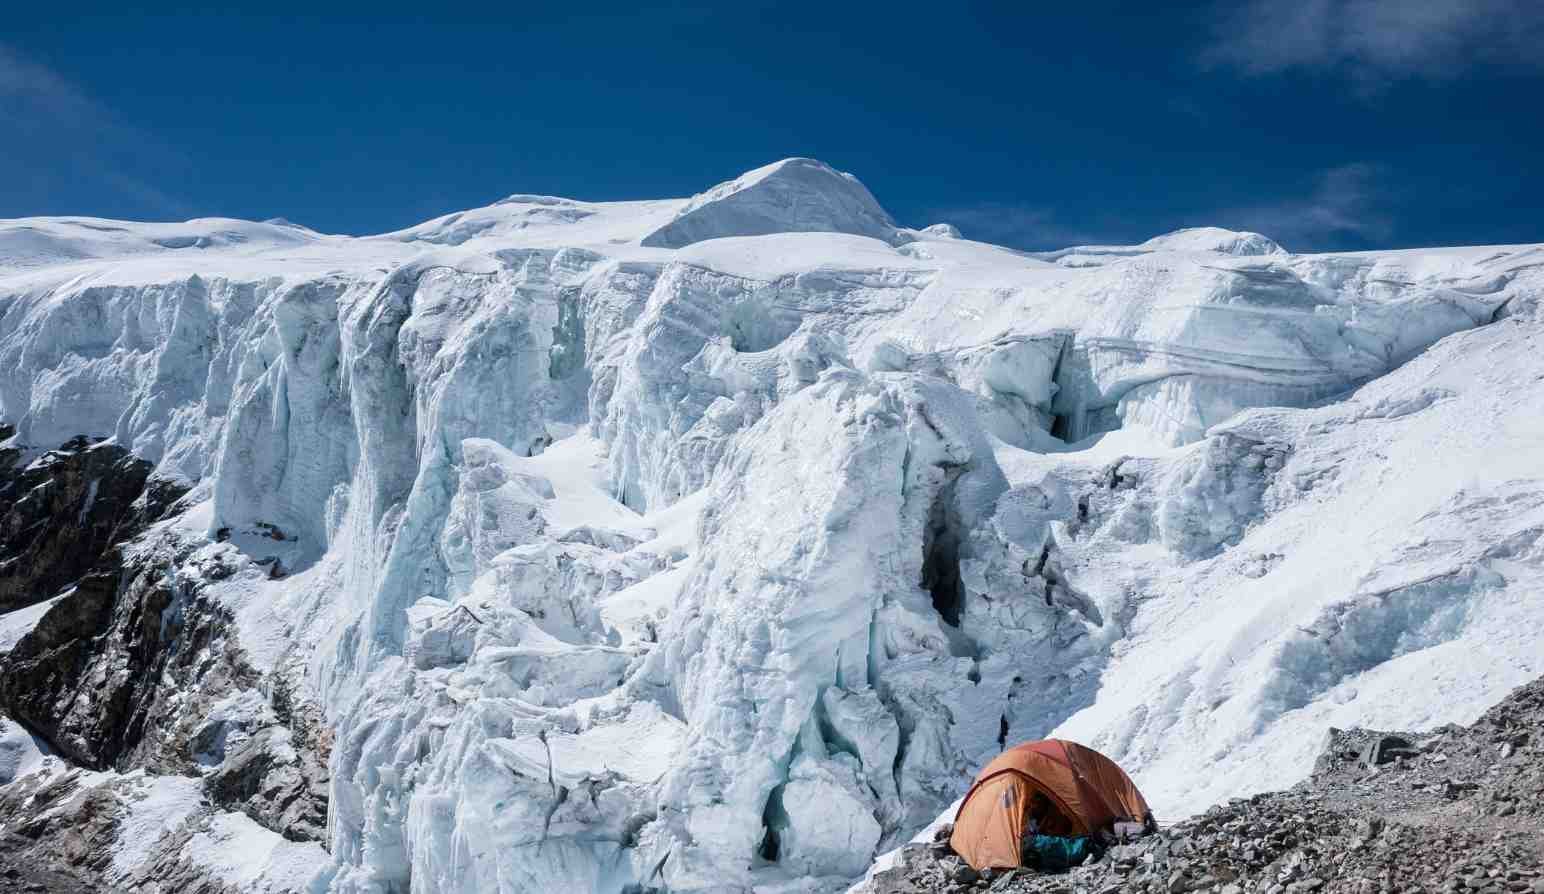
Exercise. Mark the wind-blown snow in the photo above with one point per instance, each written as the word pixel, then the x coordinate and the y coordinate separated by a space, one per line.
pixel 153 806
pixel 20 752
pixel 240 853
pixel 18 623
pixel 716 542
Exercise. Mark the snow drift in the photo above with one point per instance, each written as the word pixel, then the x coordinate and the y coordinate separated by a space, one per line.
pixel 715 543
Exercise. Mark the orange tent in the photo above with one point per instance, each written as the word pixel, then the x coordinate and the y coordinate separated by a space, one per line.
pixel 1086 791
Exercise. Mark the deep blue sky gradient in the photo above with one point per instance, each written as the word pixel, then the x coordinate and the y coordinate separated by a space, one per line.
pixel 1034 125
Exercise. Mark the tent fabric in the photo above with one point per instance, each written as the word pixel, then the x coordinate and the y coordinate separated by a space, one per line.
pixel 1087 792
pixel 1005 797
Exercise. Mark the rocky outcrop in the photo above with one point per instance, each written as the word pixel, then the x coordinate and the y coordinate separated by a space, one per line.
pixel 61 512
pixel 134 665
pixel 68 833
pixel 136 668
pixel 58 835
pixel 86 676
pixel 267 779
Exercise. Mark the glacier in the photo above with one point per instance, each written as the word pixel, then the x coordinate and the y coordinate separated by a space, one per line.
pixel 713 544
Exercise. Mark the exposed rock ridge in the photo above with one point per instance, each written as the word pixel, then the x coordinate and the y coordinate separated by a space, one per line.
pixel 60 512
pixel 133 666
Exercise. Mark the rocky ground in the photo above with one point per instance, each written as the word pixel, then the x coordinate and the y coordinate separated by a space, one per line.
pixel 1454 810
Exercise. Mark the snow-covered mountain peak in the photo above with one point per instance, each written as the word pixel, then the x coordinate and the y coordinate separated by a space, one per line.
pixel 789 196
pixel 529 199
pixel 1195 240
pixel 541 219
pixel 1218 239
pixel 46 241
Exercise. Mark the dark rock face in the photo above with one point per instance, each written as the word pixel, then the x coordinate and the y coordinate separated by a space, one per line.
pixel 86 676
pixel 264 780
pixel 125 667
pixel 60 513
pixel 58 835
pixel 1456 810
pixel 122 672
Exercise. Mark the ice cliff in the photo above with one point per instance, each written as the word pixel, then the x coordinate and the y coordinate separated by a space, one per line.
pixel 714 543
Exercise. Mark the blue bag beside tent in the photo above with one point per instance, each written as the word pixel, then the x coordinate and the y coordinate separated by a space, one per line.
pixel 1053 852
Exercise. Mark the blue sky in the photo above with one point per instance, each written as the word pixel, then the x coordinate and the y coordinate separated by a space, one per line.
pixel 1326 124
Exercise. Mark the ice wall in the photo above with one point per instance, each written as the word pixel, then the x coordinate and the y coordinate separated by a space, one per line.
pixel 721 558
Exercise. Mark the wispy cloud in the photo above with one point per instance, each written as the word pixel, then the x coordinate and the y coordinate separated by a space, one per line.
pixel 59 135
pixel 1375 42
pixel 1015 225
pixel 1340 206
pixel 28 81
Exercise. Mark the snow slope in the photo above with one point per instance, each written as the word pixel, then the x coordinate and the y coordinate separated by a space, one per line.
pixel 716 542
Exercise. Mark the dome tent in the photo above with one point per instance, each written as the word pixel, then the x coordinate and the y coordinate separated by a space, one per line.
pixel 1086 791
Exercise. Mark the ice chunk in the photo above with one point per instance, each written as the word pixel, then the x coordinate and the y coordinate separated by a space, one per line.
pixel 829 814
